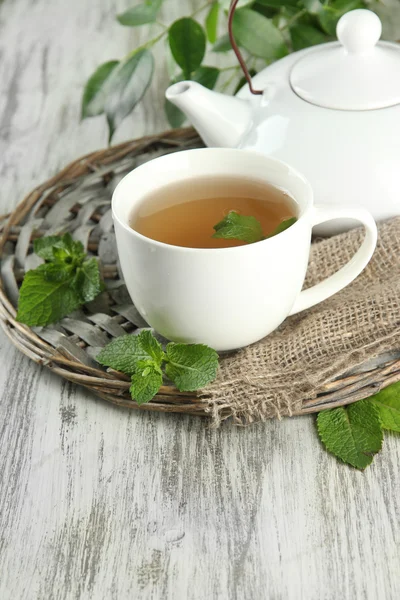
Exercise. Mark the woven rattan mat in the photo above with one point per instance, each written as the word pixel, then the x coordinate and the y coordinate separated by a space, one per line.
pixel 78 200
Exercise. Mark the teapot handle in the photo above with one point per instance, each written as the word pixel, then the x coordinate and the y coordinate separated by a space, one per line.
pixel 345 275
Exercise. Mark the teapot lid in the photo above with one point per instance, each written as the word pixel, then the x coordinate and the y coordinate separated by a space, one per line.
pixel 357 74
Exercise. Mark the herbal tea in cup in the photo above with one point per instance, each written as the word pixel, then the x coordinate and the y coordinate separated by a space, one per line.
pixel 214 244
pixel 190 213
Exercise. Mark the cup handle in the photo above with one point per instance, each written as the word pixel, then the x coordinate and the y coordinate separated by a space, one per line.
pixel 339 280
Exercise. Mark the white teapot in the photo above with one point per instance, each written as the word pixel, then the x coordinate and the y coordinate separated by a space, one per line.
pixel 331 111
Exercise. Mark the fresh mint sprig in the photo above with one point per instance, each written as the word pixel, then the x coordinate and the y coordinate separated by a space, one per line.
pixel 64 282
pixel 246 228
pixel 189 366
pixel 354 433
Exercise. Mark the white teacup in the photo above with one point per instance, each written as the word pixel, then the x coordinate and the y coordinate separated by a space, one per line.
pixel 231 297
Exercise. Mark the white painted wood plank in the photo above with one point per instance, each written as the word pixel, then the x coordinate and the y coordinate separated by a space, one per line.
pixel 97 502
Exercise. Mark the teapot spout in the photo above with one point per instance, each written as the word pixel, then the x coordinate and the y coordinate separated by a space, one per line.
pixel 220 120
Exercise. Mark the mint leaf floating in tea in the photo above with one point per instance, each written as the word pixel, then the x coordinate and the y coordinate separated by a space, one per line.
pixel 246 228
pixel 239 227
pixel 353 433
pixel 63 283
pixel 387 401
pixel 188 366
pixel 191 366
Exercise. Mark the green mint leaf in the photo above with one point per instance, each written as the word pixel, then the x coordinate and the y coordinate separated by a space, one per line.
pixel 43 246
pixel 151 346
pixel 191 366
pixel 63 257
pixel 147 365
pixel 352 433
pixel 55 272
pixel 88 282
pixel 123 354
pixel 146 382
pixel 239 227
pixel 59 286
pixel 387 401
pixel 58 248
pixel 72 247
pixel 43 301
pixel 282 226
pixel 96 88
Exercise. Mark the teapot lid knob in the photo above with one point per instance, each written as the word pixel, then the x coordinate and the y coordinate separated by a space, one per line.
pixel 359 31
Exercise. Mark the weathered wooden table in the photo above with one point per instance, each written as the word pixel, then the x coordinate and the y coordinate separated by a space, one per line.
pixel 102 503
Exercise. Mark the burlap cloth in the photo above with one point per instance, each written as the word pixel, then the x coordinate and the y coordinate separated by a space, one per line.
pixel 273 377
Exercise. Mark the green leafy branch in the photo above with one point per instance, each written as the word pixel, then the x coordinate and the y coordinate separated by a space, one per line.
pixel 265 29
pixel 189 366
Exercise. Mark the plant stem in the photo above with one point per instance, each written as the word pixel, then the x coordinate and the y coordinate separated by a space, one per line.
pixel 295 17
pixel 236 49
pixel 233 67
pixel 148 44
pixel 201 8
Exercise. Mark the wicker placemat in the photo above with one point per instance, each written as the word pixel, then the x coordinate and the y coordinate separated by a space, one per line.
pixel 78 200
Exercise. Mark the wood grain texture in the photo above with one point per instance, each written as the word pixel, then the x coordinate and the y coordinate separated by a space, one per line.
pixel 97 502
